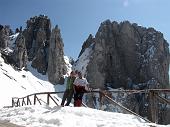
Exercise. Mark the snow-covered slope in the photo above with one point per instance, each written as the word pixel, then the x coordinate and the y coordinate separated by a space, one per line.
pixel 44 116
pixel 11 43
pixel 15 83
pixel 20 83
pixel 12 40
pixel 83 60
pixel 68 65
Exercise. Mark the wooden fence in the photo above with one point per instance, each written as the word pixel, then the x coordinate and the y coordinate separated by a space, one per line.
pixel 17 102
pixel 154 98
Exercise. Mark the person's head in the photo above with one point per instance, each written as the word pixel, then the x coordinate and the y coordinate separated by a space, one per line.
pixel 76 71
pixel 72 74
pixel 80 74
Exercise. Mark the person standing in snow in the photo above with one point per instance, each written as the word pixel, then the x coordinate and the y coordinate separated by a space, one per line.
pixel 68 94
pixel 80 86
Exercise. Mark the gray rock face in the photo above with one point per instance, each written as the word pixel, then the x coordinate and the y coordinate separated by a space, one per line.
pixel 128 51
pixel 37 36
pixel 40 60
pixel 37 31
pixel 56 64
pixel 4 36
pixel 20 52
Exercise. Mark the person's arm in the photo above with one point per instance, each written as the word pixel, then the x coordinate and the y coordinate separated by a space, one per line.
pixel 66 82
pixel 86 85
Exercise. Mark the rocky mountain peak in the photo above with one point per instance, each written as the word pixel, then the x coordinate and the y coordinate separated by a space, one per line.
pixel 37 33
pixel 127 51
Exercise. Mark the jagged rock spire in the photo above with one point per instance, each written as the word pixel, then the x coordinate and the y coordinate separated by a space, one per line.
pixel 4 36
pixel 56 64
pixel 20 52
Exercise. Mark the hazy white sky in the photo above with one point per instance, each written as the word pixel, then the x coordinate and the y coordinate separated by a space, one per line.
pixel 78 18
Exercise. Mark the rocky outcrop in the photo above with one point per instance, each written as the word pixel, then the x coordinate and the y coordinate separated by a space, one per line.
pixel 126 51
pixel 56 64
pixel 40 61
pixel 37 37
pixel 13 51
pixel 4 36
pixel 20 52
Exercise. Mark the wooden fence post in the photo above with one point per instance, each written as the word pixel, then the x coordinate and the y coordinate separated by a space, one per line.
pixel 28 100
pixel 13 103
pixel 18 103
pixel 100 99
pixel 34 99
pixel 153 107
pixel 48 99
pixel 23 101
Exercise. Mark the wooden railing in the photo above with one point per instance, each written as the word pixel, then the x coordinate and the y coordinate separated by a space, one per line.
pixel 154 98
pixel 17 102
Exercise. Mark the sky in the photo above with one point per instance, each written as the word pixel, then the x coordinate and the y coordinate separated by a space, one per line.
pixel 79 18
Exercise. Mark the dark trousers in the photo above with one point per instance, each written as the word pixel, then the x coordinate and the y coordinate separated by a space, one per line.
pixel 78 96
pixel 78 99
pixel 68 95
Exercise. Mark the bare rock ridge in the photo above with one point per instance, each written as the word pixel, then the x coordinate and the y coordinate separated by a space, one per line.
pixel 126 54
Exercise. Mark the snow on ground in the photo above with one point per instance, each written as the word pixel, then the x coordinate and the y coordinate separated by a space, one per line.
pixel 11 43
pixel 68 65
pixel 45 116
pixel 20 83
pixel 12 40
